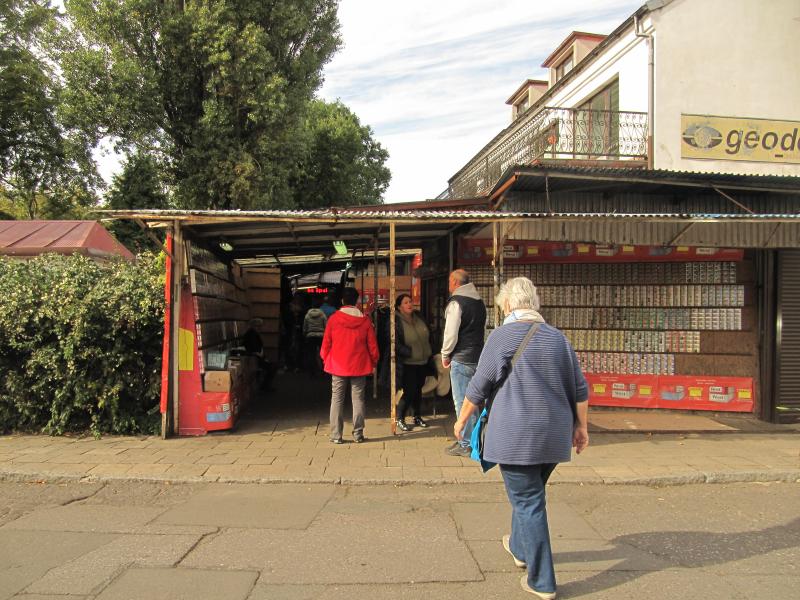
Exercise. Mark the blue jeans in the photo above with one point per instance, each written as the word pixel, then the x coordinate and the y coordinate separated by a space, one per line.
pixel 530 536
pixel 460 376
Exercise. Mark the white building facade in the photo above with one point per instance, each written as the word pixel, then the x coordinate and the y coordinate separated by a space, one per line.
pixel 659 167
pixel 690 85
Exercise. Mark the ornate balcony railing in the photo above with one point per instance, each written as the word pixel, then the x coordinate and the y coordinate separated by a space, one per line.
pixel 558 133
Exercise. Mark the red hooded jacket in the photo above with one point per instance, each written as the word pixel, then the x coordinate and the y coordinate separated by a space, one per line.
pixel 349 347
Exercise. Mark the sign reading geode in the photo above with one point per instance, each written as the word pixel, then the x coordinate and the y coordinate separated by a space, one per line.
pixel 736 138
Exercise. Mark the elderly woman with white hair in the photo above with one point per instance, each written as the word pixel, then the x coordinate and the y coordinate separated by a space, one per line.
pixel 538 414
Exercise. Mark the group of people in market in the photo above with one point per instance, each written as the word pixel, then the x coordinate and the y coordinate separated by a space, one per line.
pixel 526 370
pixel 302 331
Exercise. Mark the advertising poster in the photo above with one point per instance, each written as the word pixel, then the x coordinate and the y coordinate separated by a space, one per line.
pixel 416 286
pixel 721 394
pixel 479 252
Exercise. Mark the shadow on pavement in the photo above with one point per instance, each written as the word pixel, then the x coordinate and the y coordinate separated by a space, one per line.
pixel 685 549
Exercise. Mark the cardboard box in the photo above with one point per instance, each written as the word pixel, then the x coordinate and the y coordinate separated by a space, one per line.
pixel 217 381
pixel 262 295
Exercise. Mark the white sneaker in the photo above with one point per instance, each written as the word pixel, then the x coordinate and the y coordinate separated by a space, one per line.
pixel 507 545
pixel 543 595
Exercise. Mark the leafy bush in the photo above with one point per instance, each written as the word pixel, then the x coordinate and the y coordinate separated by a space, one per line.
pixel 80 344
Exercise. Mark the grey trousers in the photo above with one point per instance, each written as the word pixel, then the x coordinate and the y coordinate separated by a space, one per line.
pixel 358 386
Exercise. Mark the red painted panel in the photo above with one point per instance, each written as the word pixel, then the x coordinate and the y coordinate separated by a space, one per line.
pixel 719 394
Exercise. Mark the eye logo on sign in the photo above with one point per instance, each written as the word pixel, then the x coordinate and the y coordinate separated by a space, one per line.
pixel 702 136
pixel 739 138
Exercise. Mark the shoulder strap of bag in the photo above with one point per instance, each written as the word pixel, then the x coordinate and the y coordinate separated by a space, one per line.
pixel 523 344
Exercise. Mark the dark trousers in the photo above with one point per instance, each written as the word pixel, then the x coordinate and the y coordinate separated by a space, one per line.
pixel 313 359
pixel 413 379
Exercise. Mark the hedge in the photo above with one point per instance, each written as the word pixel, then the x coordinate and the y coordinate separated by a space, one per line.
pixel 80 344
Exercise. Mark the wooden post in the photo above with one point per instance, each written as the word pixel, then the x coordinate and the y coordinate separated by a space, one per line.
pixel 496 287
pixel 166 351
pixel 375 313
pixel 178 254
pixel 393 394
pixel 450 253
pixel 501 269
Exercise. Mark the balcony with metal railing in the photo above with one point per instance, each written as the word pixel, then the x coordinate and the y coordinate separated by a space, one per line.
pixel 553 133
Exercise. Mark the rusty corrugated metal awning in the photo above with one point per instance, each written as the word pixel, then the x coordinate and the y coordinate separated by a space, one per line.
pixel 555 175
pixel 30 238
pixel 286 233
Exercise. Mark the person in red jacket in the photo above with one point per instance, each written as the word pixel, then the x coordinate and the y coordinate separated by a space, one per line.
pixel 350 352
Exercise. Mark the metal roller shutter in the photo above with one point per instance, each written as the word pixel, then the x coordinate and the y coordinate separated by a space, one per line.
pixel 788 338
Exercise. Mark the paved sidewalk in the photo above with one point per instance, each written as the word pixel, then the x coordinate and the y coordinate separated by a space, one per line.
pixel 299 451
pixel 122 540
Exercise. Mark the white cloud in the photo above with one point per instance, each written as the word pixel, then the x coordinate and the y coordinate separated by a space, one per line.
pixel 432 78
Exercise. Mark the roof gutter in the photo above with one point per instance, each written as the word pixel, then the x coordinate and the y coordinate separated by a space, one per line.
pixel 637 29
pixel 499 194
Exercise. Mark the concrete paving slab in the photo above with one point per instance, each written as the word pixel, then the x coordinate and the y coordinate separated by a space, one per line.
pixel 25 556
pixel 777 585
pixel 180 584
pixel 573 555
pixel 482 521
pixel 86 517
pixel 346 548
pixel 94 570
pixel 49 597
pixel 490 521
pixel 635 585
pixel 496 586
pixel 109 470
pixel 270 507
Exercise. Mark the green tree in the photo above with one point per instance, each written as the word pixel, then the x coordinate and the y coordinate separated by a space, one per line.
pixel 138 186
pixel 341 164
pixel 45 167
pixel 217 87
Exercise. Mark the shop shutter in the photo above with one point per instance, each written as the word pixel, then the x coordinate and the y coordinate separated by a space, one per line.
pixel 788 340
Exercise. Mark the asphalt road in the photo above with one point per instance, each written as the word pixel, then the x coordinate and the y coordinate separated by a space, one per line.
pixel 280 541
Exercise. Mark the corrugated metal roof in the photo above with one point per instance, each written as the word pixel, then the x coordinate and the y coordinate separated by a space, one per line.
pixel 210 217
pixel 561 175
pixel 29 238
pixel 279 233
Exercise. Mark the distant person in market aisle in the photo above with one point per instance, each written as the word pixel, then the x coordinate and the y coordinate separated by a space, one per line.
pixel 327 306
pixel 464 330
pixel 253 346
pixel 539 413
pixel 350 353
pixel 412 357
pixel 294 352
pixel 313 330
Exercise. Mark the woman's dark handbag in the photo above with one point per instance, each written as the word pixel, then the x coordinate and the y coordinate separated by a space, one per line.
pixel 478 437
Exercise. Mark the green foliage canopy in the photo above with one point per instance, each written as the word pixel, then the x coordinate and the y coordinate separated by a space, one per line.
pixel 138 186
pixel 46 169
pixel 341 163
pixel 217 87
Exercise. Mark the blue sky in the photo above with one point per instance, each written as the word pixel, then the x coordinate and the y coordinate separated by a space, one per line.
pixel 431 77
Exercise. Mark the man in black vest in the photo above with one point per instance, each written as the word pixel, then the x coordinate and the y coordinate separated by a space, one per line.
pixel 464 328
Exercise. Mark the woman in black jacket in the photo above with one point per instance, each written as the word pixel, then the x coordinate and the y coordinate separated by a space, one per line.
pixel 413 354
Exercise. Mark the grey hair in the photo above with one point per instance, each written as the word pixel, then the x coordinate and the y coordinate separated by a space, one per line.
pixel 461 276
pixel 518 292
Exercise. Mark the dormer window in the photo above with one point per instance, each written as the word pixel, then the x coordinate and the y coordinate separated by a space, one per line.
pixel 526 96
pixel 564 67
pixel 570 53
